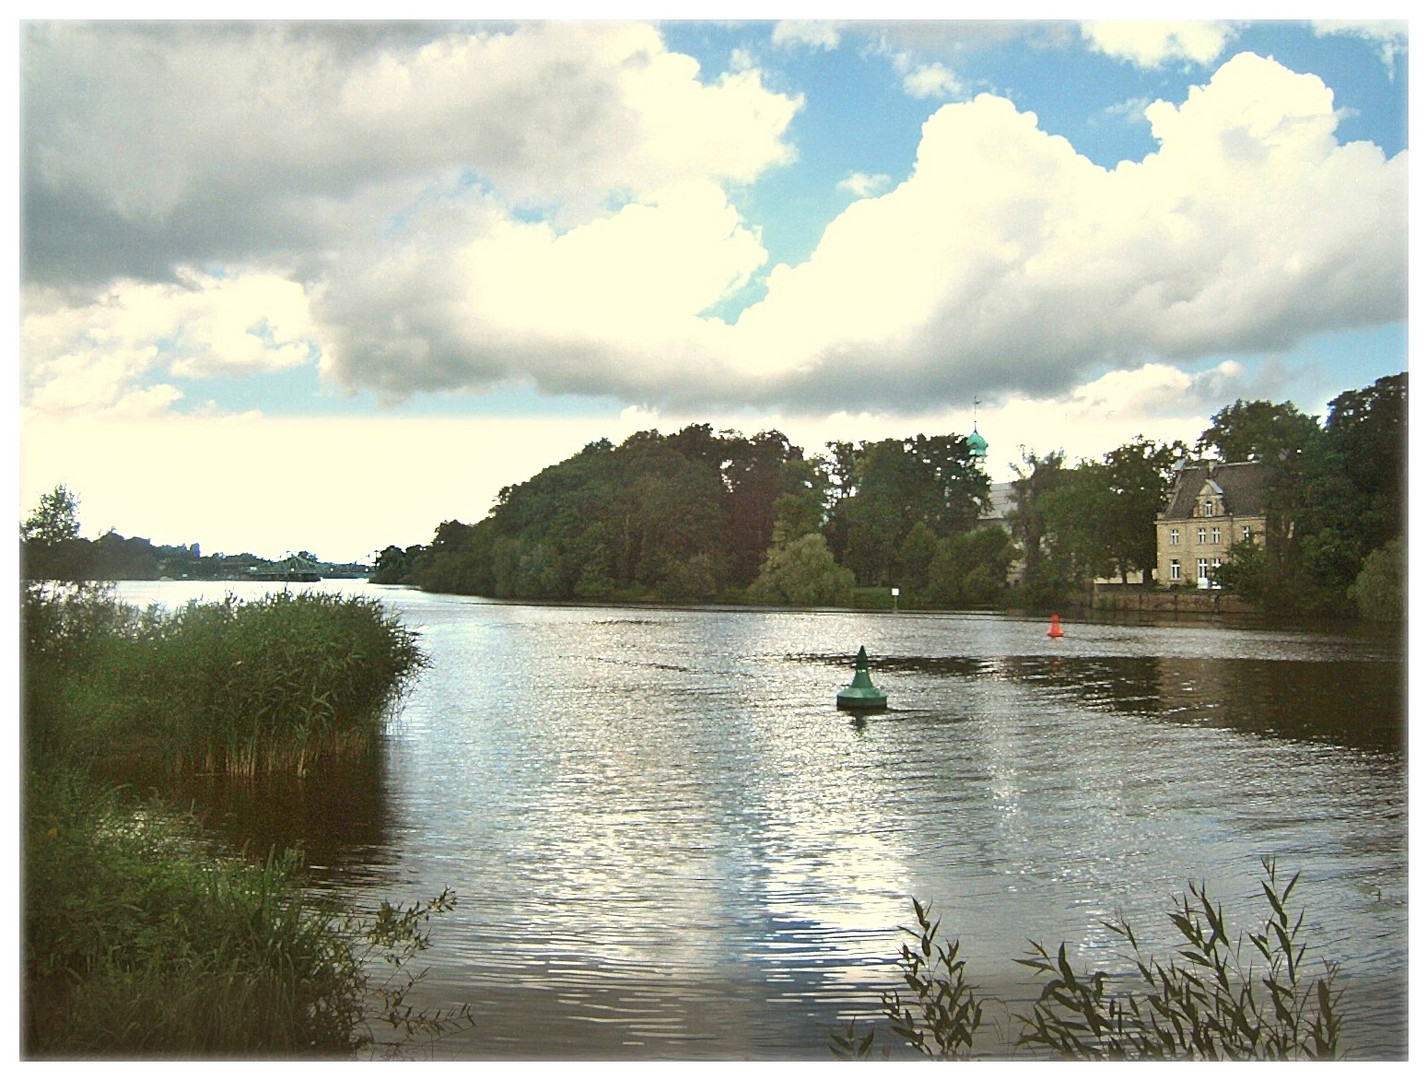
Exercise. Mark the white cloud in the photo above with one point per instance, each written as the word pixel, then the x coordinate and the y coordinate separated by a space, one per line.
pixel 864 184
pixel 931 80
pixel 1007 263
pixel 816 35
pixel 1007 260
pixel 1157 44
pixel 296 124
pixel 1132 109
pixel 92 355
pixel 467 296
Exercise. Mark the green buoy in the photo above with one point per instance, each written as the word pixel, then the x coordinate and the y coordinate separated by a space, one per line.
pixel 861 694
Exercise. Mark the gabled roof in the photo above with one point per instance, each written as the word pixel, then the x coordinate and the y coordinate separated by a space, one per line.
pixel 1241 484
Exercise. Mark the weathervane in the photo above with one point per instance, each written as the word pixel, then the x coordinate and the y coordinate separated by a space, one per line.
pixel 974 442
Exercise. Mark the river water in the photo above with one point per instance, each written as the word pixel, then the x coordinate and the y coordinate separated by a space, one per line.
pixel 666 841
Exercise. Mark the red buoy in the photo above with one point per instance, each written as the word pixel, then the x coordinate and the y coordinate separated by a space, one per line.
pixel 1055 630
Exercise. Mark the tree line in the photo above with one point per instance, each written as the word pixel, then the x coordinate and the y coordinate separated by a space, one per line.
pixel 52 549
pixel 703 516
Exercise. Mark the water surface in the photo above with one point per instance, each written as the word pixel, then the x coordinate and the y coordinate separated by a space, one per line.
pixel 666 841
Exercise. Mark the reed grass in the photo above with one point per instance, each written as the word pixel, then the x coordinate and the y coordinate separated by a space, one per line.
pixel 271 685
pixel 138 941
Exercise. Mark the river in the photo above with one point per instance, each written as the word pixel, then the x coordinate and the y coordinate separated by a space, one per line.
pixel 666 841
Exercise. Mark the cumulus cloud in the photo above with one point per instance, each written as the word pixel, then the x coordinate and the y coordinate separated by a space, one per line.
pixel 1009 261
pixel 90 356
pixel 121 168
pixel 1157 44
pixel 931 80
pixel 469 296
pixel 557 205
pixel 816 35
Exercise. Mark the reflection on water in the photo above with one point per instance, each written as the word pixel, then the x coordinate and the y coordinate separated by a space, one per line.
pixel 1358 703
pixel 336 816
pixel 667 841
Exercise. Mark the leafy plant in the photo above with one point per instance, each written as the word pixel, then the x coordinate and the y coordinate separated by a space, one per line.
pixel 277 684
pixel 1212 1003
pixel 1250 997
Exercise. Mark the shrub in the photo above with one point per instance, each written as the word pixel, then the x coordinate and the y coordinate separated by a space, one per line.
pixel 1380 590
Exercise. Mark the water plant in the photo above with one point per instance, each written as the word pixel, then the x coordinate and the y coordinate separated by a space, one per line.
pixel 140 943
pixel 269 685
pixel 1253 996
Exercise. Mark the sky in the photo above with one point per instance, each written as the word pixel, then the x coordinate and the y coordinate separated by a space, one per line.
pixel 322 286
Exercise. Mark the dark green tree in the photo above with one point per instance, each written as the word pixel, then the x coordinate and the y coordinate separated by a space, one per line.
pixel 1044 577
pixel 894 485
pixel 1290 445
pixel 970 569
pixel 51 548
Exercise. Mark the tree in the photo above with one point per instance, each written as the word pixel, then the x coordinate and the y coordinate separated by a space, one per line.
pixel 1290 445
pixel 51 548
pixel 894 485
pixel 1139 475
pixel 1357 484
pixel 1380 590
pixel 969 569
pixel 54 519
pixel 1043 580
pixel 1079 518
pixel 1259 431
pixel 803 573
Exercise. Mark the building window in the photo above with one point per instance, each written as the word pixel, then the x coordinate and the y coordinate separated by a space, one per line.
pixel 1208 507
pixel 1217 562
pixel 1173 537
pixel 1248 533
pixel 1201 536
pixel 1173 569
pixel 1203 569
pixel 1215 535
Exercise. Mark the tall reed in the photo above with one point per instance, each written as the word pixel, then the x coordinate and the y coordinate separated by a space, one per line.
pixel 271 685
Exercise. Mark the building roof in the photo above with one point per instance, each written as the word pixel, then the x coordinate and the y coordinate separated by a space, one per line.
pixel 1243 486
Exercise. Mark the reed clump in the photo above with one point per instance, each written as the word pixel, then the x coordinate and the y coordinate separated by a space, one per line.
pixel 139 940
pixel 237 687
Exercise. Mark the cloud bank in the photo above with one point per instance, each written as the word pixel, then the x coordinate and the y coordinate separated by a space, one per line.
pixel 558 205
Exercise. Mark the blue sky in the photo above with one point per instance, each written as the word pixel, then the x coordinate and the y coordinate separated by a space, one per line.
pixel 324 286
